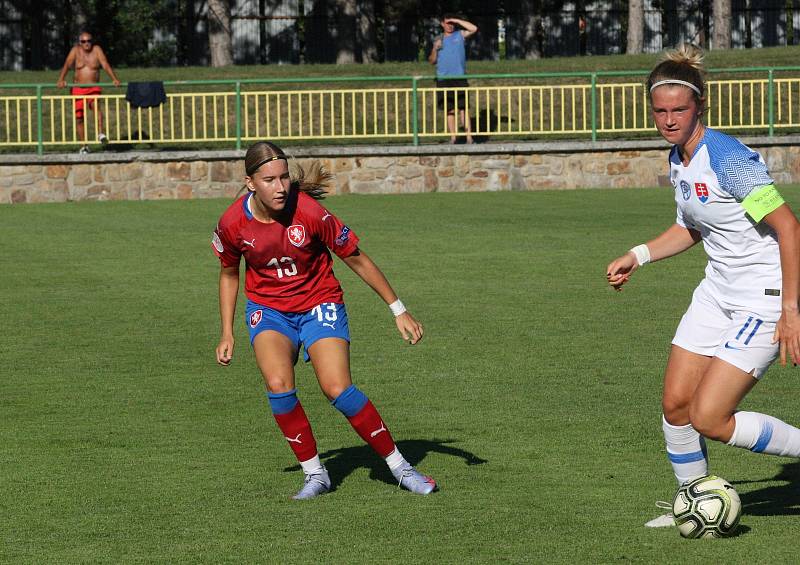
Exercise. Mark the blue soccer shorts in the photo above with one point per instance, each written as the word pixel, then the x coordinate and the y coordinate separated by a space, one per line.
pixel 328 319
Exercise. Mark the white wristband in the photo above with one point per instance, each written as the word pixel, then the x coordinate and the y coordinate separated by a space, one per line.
pixel 397 308
pixel 642 253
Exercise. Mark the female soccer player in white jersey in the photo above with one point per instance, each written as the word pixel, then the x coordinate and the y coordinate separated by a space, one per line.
pixel 285 236
pixel 744 313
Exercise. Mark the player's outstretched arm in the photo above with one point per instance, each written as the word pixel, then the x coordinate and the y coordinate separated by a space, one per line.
pixel 228 292
pixel 368 271
pixel 672 241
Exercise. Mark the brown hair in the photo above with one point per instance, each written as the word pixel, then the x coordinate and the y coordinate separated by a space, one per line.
pixel 315 181
pixel 685 64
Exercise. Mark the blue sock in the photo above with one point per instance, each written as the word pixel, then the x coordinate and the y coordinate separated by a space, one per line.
pixel 283 402
pixel 350 402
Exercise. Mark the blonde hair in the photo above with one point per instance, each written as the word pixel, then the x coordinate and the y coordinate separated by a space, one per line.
pixel 315 181
pixel 681 65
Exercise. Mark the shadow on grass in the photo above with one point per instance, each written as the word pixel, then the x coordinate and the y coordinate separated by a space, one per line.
pixel 775 500
pixel 341 462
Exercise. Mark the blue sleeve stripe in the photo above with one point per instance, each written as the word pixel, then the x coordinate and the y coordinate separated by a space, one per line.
pixel 763 438
pixel 686 457
pixel 283 402
pixel 350 402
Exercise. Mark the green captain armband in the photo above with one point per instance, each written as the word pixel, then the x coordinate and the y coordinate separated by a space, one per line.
pixel 762 201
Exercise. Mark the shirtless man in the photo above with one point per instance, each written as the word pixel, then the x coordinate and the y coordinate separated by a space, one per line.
pixel 87 58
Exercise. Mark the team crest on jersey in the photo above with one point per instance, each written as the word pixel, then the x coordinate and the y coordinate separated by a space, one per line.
pixel 701 190
pixel 296 234
pixel 686 190
pixel 344 235
pixel 255 318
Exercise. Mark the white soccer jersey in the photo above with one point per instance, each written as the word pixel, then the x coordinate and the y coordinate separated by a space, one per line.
pixel 743 270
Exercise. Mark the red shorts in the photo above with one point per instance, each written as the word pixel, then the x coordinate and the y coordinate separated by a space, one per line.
pixel 84 92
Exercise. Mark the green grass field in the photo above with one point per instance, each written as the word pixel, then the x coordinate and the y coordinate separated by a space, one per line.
pixel 533 399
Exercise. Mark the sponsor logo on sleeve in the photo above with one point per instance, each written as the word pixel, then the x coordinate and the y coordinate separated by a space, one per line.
pixel 343 236
pixel 255 318
pixel 296 234
pixel 217 243
pixel 686 190
pixel 701 190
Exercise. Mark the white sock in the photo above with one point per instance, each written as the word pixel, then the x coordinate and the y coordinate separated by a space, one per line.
pixel 761 433
pixel 395 460
pixel 311 466
pixel 686 450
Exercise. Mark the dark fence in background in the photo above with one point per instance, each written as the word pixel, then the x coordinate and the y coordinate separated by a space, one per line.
pixel 36 34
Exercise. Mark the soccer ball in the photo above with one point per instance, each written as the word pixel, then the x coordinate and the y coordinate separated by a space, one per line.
pixel 707 507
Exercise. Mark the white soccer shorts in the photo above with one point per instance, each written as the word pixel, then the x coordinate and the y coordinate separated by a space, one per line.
pixel 742 338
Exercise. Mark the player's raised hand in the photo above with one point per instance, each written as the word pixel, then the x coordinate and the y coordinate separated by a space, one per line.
pixel 787 333
pixel 410 329
pixel 225 351
pixel 619 271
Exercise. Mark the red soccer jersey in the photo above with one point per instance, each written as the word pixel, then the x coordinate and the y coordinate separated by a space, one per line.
pixel 288 265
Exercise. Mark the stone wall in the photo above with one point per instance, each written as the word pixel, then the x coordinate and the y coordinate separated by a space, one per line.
pixel 363 170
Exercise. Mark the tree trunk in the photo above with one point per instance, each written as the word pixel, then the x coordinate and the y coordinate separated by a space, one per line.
pixel 219 33
pixel 367 36
pixel 722 24
pixel 344 34
pixel 635 27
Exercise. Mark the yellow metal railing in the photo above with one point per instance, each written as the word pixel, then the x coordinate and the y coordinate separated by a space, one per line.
pixel 243 111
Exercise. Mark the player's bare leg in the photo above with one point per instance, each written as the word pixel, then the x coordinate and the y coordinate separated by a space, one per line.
pixel 331 360
pixel 275 355
pixel 713 413
pixel 714 402
pixel 685 446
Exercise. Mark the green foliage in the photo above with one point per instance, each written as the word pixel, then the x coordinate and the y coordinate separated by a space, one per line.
pixel 533 399
pixel 127 27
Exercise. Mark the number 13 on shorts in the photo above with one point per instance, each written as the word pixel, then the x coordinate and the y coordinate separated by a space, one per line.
pixel 328 319
pixel 325 312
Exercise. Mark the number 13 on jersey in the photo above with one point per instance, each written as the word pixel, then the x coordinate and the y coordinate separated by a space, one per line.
pixel 285 267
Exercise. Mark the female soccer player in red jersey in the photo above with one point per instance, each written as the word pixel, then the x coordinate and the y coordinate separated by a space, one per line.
pixel 294 299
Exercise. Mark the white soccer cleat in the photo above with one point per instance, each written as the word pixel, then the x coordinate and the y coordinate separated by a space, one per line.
pixel 414 481
pixel 102 138
pixel 665 520
pixel 314 485
pixel 84 150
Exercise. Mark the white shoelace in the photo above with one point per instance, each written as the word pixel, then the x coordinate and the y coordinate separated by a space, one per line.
pixel 408 472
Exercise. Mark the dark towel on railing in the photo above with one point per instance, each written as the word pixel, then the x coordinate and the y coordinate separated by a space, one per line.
pixel 146 94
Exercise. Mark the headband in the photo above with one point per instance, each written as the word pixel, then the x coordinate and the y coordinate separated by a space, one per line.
pixel 267 160
pixel 676 81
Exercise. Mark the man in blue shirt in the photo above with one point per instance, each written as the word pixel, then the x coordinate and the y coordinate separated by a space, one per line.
pixel 449 56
